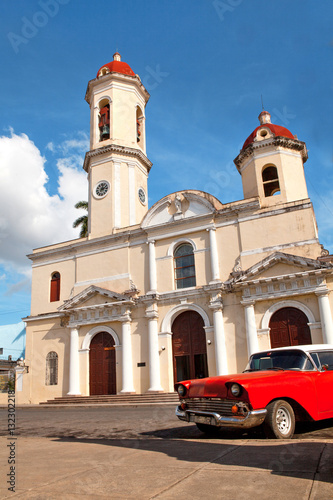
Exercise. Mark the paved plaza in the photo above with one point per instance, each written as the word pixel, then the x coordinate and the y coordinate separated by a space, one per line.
pixel 146 453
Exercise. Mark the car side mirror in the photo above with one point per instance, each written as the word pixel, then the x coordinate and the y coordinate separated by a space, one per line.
pixel 324 368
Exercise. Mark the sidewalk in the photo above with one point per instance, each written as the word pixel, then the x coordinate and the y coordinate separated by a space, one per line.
pixel 51 468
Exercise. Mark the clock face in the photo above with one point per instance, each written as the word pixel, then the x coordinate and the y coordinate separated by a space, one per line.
pixel 102 189
pixel 142 196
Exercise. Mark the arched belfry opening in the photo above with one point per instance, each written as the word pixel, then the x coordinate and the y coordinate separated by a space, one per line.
pixel 104 120
pixel 139 126
pixel 270 179
pixel 189 346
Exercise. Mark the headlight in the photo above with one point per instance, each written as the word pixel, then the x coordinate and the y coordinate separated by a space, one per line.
pixel 181 390
pixel 236 390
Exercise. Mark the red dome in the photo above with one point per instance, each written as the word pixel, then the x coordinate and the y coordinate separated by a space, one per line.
pixel 117 66
pixel 277 130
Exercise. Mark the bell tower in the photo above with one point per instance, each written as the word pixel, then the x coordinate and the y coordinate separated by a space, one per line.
pixel 116 164
pixel 271 164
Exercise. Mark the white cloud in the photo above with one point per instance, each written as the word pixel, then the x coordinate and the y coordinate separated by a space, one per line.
pixel 80 144
pixel 29 216
pixel 50 147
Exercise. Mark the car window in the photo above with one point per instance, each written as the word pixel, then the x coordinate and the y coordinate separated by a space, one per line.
pixel 287 360
pixel 315 357
pixel 325 358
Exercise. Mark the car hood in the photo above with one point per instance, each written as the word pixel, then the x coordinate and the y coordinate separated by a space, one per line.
pixel 213 387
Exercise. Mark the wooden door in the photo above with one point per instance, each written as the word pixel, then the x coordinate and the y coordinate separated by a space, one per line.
pixel 102 362
pixel 288 327
pixel 189 347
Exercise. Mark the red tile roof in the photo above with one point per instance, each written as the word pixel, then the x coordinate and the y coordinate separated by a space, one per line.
pixel 277 130
pixel 117 67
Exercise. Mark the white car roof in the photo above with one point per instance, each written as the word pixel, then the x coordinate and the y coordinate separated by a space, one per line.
pixel 304 348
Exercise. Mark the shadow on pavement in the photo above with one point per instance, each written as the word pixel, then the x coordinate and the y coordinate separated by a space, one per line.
pixel 309 430
pixel 293 459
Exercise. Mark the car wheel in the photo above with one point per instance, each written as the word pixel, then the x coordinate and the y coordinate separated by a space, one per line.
pixel 210 430
pixel 280 420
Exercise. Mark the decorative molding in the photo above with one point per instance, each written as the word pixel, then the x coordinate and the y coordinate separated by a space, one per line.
pixel 119 150
pixel 271 153
pixel 94 331
pixel 110 83
pixel 174 244
pixel 286 303
pixel 42 317
pixel 174 209
pixel 290 287
pixel 276 141
pixel 176 310
pixel 312 266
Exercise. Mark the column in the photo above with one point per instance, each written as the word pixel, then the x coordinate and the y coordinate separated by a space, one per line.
pixel 219 338
pixel 152 267
pixel 74 365
pixel 214 257
pixel 325 316
pixel 127 362
pixel 251 329
pixel 154 355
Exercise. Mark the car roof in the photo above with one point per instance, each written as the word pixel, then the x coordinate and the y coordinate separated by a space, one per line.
pixel 304 348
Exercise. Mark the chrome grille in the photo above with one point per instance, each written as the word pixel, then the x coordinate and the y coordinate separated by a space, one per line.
pixel 221 406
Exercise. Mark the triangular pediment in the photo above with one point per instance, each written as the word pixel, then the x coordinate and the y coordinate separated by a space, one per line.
pixel 280 264
pixel 93 296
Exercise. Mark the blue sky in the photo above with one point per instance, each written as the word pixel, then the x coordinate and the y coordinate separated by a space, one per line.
pixel 206 64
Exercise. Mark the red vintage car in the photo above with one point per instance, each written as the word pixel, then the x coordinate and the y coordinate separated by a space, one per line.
pixel 277 388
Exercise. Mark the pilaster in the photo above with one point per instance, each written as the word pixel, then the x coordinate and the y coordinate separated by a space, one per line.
pixel 74 365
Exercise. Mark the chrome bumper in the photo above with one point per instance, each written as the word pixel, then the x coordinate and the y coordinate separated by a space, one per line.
pixel 252 419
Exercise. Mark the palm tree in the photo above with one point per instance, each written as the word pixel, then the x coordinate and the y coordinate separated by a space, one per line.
pixel 83 220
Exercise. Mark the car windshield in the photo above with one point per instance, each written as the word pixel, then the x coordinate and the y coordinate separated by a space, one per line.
pixel 279 360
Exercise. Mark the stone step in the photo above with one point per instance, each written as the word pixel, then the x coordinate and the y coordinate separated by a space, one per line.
pixel 127 399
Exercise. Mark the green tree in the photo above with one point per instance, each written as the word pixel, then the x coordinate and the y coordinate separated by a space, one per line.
pixel 83 220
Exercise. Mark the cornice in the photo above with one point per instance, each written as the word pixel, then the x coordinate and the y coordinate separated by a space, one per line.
pixel 84 246
pixel 120 150
pixel 318 274
pixel 277 287
pixel 120 77
pixel 278 141
pixel 42 317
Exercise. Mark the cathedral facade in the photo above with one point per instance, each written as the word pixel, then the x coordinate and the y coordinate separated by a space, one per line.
pixel 185 289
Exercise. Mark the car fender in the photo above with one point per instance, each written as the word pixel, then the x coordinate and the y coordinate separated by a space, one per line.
pixel 289 385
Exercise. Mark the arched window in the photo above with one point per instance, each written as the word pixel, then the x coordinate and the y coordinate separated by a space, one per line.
pixel 139 125
pixel 104 120
pixel 184 266
pixel 51 368
pixel 270 180
pixel 55 287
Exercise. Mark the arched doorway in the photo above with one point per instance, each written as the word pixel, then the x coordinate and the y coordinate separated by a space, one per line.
pixel 102 365
pixel 289 326
pixel 189 347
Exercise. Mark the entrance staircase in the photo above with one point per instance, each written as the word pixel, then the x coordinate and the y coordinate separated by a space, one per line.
pixel 148 399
